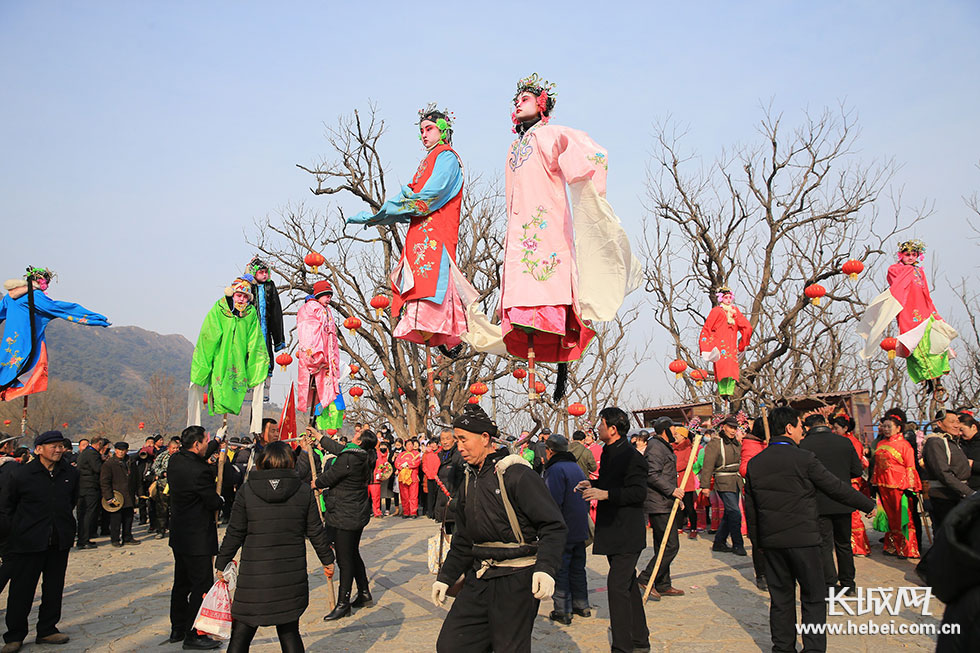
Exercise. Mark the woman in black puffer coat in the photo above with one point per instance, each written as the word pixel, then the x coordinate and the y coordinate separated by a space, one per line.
pixel 273 515
pixel 348 510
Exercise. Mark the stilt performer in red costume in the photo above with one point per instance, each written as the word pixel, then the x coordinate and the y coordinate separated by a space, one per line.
pixel 725 335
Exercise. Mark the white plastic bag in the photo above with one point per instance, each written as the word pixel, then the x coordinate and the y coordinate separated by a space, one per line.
pixel 214 617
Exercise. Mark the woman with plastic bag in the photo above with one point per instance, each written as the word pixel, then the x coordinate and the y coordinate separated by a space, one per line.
pixel 274 513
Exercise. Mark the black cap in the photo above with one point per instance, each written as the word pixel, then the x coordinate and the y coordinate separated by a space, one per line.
pixel 48 437
pixel 556 443
pixel 122 446
pixel 661 424
pixel 730 421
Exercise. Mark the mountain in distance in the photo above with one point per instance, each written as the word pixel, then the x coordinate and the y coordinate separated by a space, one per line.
pixel 115 362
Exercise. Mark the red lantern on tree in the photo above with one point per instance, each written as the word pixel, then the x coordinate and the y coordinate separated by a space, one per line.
pixel 6 422
pixel 677 367
pixel 65 425
pixel 473 400
pixel 141 425
pixel 890 345
pixel 852 268
pixel 520 373
pixel 354 369
pixel 699 376
pixel 314 260
pixel 284 359
pixel 576 410
pixel 815 292
pixel 356 392
pixel 479 388
pixel 331 431
pixel 384 373
pixel 352 324
pixel 401 392
pixel 539 387
pixel 379 303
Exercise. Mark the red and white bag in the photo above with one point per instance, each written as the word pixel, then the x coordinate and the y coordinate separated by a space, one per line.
pixel 214 617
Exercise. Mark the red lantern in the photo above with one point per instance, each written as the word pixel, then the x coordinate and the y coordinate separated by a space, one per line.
pixel 815 292
pixel 352 323
pixel 677 367
pixel 539 387
pixel 400 392
pixel 379 303
pixel 65 425
pixel 479 388
pixel 473 400
pixel 331 431
pixel 141 425
pixel 314 260
pixel 384 373
pixel 205 399
pixel 852 268
pixel 519 374
pixel 576 409
pixel 6 422
pixel 356 392
pixel 890 345
pixel 699 376
pixel 354 369
pixel 284 359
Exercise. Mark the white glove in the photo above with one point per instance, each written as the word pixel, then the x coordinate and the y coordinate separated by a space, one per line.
pixel 439 592
pixel 712 356
pixel 542 585
pixel 220 433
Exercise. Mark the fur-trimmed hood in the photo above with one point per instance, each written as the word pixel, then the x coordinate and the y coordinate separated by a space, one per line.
pixel 16 288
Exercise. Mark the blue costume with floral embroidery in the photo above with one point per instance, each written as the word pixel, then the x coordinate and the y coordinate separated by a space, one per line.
pixel 23 359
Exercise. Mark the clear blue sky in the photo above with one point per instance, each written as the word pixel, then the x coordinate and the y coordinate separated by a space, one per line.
pixel 140 139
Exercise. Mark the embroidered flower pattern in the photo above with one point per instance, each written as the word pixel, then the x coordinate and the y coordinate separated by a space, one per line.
pixel 540 268
pixel 599 159
pixel 422 248
pixel 521 149
pixel 15 357
pixel 421 171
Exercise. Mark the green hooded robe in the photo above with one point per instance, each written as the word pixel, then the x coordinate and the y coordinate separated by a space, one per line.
pixel 230 357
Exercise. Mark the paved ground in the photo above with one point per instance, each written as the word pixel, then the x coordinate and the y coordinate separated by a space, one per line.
pixel 117 600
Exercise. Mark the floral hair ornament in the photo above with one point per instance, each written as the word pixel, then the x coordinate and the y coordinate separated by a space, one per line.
pixel 255 265
pixel 913 247
pixel 545 93
pixel 722 291
pixel 443 118
pixel 39 273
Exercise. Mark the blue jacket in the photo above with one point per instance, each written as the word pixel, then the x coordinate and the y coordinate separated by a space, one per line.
pixel 561 475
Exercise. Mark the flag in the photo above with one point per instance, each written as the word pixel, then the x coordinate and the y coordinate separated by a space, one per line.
pixel 287 421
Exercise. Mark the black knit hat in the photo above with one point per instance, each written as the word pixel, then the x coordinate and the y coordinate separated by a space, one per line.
pixel 475 420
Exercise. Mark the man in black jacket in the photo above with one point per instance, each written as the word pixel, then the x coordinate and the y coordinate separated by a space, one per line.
pixel 450 474
pixel 782 483
pixel 193 533
pixel 946 467
pixel 838 455
pixel 89 465
pixel 620 530
pixel 662 491
pixel 119 475
pixel 509 542
pixel 36 514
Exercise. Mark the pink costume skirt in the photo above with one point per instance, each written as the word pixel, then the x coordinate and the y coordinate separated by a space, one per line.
pixel 559 334
pixel 446 321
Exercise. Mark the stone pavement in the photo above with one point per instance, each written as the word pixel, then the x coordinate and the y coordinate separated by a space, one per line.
pixel 117 600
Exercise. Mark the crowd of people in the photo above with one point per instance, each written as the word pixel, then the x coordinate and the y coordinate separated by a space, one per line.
pixel 521 513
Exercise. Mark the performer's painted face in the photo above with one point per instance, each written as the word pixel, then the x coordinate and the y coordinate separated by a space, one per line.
pixel 727 298
pixel 261 276
pixel 430 133
pixel 41 282
pixel 240 300
pixel 908 258
pixel 526 107
pixel 324 300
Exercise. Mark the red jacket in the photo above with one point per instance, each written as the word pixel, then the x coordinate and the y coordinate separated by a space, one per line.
pixel 895 465
pixel 682 450
pixel 750 448
pixel 430 465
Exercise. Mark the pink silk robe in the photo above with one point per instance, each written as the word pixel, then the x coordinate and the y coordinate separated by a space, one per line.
pixel 539 281
pixel 318 356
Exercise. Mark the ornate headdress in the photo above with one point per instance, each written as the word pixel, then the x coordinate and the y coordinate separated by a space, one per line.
pixel 242 285
pixel 722 291
pixel 443 118
pixel 39 273
pixel 255 265
pixel 913 247
pixel 541 88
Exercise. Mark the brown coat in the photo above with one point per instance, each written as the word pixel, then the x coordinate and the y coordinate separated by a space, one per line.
pixel 117 476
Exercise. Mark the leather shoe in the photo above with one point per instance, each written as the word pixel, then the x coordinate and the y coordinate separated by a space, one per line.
pixel 53 638
pixel 721 548
pixel 582 612
pixel 11 647
pixel 195 642
pixel 762 583
pixel 132 542
pixel 740 551
pixel 561 617
pixel 363 599
pixel 672 591
pixel 161 535
pixel 117 544
pixel 341 610
pixel 176 636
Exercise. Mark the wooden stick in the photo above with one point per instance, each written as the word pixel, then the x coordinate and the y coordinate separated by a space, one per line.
pixel 23 419
pixel 670 520
pixel 221 475
pixel 531 393
pixel 765 422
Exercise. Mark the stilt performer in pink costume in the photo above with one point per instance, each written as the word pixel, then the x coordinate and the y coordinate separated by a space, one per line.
pixel 924 337
pixel 562 268
pixel 318 351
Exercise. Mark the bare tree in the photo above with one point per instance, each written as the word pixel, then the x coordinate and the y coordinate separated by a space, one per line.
pixel 164 404
pixel 64 402
pixel 768 221
pixel 111 421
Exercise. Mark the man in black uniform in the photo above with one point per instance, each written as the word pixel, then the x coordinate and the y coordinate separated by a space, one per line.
pixel 89 467
pixel 509 541
pixel 193 533
pixel 782 483
pixel 36 513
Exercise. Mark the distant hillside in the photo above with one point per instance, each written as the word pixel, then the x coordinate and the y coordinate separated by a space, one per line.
pixel 116 362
